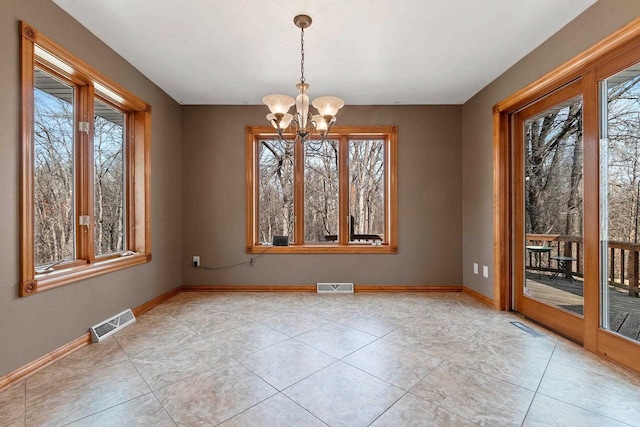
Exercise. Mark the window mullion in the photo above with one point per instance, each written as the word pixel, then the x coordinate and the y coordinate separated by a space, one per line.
pixel 298 193
pixel 252 178
pixel 386 190
pixel 130 170
pixel 391 190
pixel 84 174
pixel 343 183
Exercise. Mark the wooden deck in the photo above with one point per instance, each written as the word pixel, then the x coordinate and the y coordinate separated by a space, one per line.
pixel 624 311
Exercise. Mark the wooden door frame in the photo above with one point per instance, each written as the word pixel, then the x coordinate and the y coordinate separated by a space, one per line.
pixel 583 65
pixel 564 322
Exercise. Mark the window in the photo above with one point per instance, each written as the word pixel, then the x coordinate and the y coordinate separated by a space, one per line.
pixel 333 196
pixel 85 183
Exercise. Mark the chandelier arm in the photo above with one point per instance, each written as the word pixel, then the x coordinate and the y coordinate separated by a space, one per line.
pixel 330 123
pixel 276 125
pixel 295 122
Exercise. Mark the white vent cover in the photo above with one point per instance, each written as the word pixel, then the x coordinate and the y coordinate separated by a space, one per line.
pixel 335 288
pixel 109 327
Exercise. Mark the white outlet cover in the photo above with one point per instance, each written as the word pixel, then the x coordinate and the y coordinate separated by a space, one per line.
pixel 475 267
pixel 485 271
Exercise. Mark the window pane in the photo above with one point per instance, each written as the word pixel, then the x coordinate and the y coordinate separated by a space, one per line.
pixel 366 189
pixel 553 205
pixel 109 182
pixel 276 189
pixel 620 202
pixel 321 191
pixel 53 170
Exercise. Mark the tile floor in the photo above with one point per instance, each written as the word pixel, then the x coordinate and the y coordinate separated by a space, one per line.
pixel 266 359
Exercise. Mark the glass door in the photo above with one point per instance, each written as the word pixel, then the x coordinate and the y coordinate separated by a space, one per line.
pixel 620 203
pixel 568 202
pixel 548 220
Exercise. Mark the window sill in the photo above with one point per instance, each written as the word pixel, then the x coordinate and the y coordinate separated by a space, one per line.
pixel 354 248
pixel 65 276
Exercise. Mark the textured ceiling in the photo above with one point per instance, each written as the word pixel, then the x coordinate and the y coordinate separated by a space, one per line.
pixel 365 51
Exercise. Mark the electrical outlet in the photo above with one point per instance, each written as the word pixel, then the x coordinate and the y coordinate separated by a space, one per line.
pixel 475 268
pixel 485 271
pixel 196 261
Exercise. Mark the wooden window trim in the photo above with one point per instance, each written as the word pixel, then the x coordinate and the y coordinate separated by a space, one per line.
pixel 342 134
pixel 92 84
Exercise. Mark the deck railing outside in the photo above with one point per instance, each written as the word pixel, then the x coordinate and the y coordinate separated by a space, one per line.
pixel 623 259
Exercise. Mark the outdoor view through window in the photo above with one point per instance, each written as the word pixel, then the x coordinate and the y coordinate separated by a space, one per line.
pixel 276 189
pixel 109 183
pixel 321 192
pixel 366 189
pixel 55 175
pixel 620 202
pixel 553 203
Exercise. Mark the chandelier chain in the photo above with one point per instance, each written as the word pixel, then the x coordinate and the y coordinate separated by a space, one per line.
pixel 302 55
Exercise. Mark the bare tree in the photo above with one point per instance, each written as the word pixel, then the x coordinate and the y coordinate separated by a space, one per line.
pixel 109 185
pixel 321 188
pixel 623 169
pixel 553 168
pixel 276 189
pixel 321 191
pixel 53 178
pixel 366 175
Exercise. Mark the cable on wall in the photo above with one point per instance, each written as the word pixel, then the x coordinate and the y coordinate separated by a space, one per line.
pixel 250 263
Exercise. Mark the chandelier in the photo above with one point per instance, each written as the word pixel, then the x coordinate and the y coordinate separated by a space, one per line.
pixel 304 122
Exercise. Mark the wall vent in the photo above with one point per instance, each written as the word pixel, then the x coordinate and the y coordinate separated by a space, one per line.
pixel 109 327
pixel 335 288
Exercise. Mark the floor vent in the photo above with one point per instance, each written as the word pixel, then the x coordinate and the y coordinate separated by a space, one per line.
pixel 335 288
pixel 526 329
pixel 109 327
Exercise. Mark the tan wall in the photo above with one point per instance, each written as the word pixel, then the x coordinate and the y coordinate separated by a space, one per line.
pixel 33 326
pixel 600 20
pixel 429 200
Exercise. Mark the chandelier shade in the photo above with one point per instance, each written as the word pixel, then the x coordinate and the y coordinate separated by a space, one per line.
pixel 321 124
pixel 281 124
pixel 303 122
pixel 278 104
pixel 328 105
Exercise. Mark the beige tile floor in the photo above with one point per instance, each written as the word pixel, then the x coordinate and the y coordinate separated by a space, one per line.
pixel 267 359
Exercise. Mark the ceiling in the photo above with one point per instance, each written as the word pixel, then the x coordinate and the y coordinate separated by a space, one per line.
pixel 368 52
